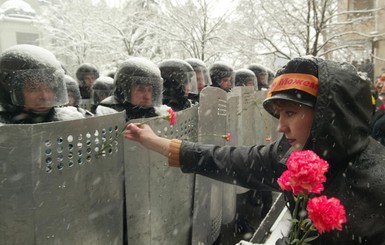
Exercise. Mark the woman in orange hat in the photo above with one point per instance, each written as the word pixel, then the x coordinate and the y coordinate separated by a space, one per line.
pixel 323 106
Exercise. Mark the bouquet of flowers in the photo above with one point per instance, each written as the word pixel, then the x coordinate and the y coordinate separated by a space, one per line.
pixel 305 176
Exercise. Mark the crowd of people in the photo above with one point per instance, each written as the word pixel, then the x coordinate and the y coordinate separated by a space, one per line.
pixel 335 117
pixel 36 88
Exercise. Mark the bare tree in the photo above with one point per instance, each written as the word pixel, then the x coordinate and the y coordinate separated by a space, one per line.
pixel 71 28
pixel 85 31
pixel 285 29
pixel 191 29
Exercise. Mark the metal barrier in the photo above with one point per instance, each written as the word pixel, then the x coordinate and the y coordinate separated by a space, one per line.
pixel 56 188
pixel 159 198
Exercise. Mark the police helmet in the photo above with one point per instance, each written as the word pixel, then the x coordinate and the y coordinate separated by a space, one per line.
pixel 102 88
pixel 179 78
pixel 27 67
pixel 245 77
pixel 72 90
pixel 138 71
pixel 84 70
pixel 260 71
pixel 199 66
pixel 220 70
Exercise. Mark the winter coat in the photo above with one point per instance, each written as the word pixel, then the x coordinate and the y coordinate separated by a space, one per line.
pixel 339 134
pixel 19 116
pixel 85 92
pixel 177 104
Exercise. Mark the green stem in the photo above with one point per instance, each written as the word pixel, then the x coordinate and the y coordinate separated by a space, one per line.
pixel 294 234
pixel 305 236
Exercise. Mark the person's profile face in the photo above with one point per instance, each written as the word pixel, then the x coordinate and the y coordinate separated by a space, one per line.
pixel 141 95
pixel 295 121
pixel 38 97
pixel 200 80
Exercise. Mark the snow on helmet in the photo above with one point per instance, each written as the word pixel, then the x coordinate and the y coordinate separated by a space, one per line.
pixel 245 76
pixel 28 67
pixel 138 71
pixel 261 74
pixel 199 66
pixel 179 78
pixel 102 88
pixel 84 70
pixel 220 70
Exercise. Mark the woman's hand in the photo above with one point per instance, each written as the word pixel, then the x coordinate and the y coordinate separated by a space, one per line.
pixel 143 134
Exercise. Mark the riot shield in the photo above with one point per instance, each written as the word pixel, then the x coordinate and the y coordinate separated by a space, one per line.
pixel 159 198
pixel 55 188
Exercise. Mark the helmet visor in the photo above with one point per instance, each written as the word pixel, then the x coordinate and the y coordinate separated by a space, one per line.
pixel 38 89
pixel 144 91
pixel 98 95
pixel 191 85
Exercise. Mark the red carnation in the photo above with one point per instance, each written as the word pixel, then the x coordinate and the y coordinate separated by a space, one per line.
pixel 283 181
pixel 171 116
pixel 227 136
pixel 326 214
pixel 306 172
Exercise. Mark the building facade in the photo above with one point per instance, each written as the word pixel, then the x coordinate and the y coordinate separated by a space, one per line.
pixel 365 32
pixel 18 20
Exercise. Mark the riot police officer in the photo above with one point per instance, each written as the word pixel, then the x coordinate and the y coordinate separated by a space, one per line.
pixel 245 77
pixel 74 97
pixel 261 74
pixel 179 81
pixel 138 89
pixel 86 74
pixel 102 88
pixel 202 76
pixel 222 76
pixel 32 86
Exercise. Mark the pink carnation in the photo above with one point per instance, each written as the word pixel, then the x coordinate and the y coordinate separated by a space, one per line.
pixel 172 116
pixel 326 214
pixel 283 181
pixel 227 136
pixel 306 172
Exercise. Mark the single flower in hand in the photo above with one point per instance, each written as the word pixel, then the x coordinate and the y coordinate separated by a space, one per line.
pixel 164 111
pixel 167 113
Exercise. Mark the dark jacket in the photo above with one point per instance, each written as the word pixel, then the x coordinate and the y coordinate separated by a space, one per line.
pixel 132 112
pixel 340 135
pixel 18 116
pixel 378 127
pixel 177 104
pixel 85 92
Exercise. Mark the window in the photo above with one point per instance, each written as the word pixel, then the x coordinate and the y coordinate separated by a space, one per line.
pixel 357 5
pixel 27 38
